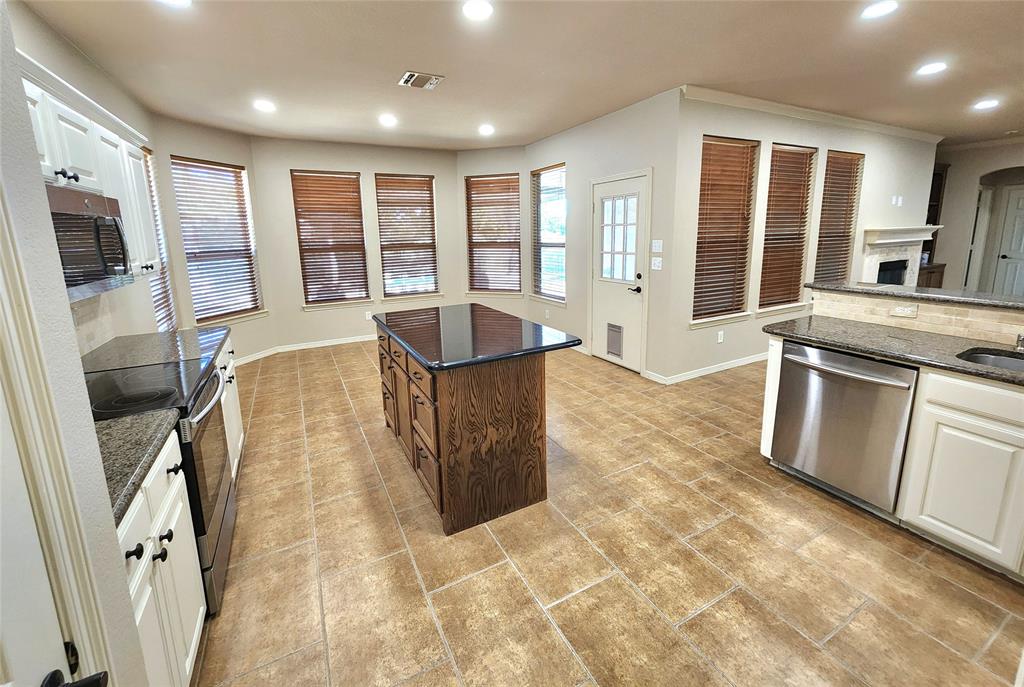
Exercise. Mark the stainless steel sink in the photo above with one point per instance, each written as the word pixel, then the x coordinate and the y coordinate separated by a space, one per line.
pixel 994 357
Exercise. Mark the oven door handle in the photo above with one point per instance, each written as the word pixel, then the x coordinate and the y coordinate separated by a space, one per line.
pixel 216 399
pixel 849 374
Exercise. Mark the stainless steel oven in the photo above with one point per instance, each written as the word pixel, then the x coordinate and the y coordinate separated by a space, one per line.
pixel 204 447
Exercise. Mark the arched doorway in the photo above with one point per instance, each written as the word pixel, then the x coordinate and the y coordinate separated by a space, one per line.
pixel 997 252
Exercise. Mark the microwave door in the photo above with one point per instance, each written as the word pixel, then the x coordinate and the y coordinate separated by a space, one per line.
pixel 112 247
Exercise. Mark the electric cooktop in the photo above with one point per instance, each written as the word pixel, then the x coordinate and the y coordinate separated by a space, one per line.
pixel 128 391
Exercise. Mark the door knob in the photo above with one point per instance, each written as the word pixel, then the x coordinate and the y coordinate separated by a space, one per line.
pixel 1004 256
pixel 639 276
pixel 56 679
pixel 635 289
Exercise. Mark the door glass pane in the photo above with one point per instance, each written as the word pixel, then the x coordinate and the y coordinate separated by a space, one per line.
pixel 631 210
pixel 606 266
pixel 607 231
pixel 630 267
pixel 620 210
pixel 631 239
pixel 617 265
pixel 618 239
pixel 607 210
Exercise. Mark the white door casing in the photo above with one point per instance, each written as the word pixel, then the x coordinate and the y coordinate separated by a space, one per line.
pixel 1009 280
pixel 619 269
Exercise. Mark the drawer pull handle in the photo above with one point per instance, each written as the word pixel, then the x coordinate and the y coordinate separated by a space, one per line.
pixel 231 352
pixel 419 401
pixel 224 368
pixel 162 556
pixel 174 469
pixel 167 536
pixel 62 172
pixel 386 395
pixel 417 376
pixel 134 553
pixel 381 337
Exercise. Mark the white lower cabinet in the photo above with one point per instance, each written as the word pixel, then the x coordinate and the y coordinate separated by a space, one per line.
pixel 231 407
pixel 164 577
pixel 963 477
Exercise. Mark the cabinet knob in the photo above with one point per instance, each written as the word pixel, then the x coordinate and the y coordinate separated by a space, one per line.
pixel 174 469
pixel 231 352
pixel 380 337
pixel 62 172
pixel 417 376
pixel 223 368
pixel 162 556
pixel 167 536
pixel 230 380
pixel 134 553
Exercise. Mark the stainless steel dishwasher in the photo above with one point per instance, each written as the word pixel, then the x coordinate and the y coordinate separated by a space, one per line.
pixel 842 420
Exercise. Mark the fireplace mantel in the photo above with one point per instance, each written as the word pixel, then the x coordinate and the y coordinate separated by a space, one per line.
pixel 899 236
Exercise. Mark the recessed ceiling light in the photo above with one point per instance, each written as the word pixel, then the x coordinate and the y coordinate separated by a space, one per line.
pixel 176 3
pixel 879 9
pixel 477 10
pixel 387 119
pixel 931 68
pixel 987 104
pixel 486 130
pixel 264 105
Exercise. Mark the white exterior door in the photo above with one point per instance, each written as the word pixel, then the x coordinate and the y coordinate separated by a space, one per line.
pixel 31 644
pixel 618 271
pixel 1010 264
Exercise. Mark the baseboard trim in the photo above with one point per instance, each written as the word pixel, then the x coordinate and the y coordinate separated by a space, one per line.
pixel 300 346
pixel 581 349
pixel 711 369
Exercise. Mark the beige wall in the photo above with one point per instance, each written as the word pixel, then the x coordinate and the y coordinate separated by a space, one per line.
pixel 967 164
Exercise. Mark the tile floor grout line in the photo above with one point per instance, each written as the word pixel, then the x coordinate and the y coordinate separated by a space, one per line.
pixel 547 614
pixel 362 564
pixel 693 614
pixel 415 567
pixel 845 621
pixel 581 589
pixel 992 638
pixel 261 666
pixel 449 585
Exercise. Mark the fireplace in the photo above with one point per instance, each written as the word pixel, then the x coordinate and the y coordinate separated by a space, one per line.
pixel 892 271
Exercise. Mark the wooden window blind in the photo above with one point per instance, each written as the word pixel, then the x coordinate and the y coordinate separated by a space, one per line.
pixel 547 229
pixel 785 231
pixel 723 226
pixel 494 234
pixel 160 284
pixel 213 210
pixel 408 242
pixel 329 223
pixel 838 223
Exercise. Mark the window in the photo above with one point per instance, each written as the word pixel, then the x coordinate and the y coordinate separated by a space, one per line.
pixel 547 192
pixel 723 226
pixel 618 238
pixel 329 223
pixel 160 285
pixel 492 223
pixel 839 203
pixel 408 244
pixel 785 229
pixel 213 210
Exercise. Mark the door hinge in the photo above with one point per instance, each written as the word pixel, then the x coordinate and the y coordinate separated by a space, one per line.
pixel 71 651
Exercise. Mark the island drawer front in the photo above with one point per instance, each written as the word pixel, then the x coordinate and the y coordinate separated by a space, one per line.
pixel 398 354
pixel 386 366
pixel 428 470
pixel 422 378
pixel 383 359
pixel 424 417
pixel 388 398
pixel 382 338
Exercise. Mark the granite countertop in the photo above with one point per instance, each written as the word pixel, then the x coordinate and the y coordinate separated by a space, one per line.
pixel 922 293
pixel 129 446
pixel 893 343
pixel 469 334
pixel 156 348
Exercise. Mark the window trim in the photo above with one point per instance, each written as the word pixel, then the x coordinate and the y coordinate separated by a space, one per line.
pixel 467 179
pixel 536 245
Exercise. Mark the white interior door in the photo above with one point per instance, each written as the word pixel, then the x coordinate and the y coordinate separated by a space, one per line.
pixel 31 644
pixel 1010 264
pixel 619 268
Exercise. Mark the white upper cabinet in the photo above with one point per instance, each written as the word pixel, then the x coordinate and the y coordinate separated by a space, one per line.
pixel 142 236
pixel 40 117
pixel 76 146
pixel 110 165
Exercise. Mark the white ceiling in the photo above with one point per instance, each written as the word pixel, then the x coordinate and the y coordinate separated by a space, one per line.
pixel 536 68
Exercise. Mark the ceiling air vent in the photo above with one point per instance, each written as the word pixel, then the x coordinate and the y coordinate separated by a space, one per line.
pixel 419 80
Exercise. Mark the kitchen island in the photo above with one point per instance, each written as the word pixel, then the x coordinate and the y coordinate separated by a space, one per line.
pixel 463 390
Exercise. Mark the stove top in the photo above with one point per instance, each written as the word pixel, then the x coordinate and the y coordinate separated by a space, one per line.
pixel 132 390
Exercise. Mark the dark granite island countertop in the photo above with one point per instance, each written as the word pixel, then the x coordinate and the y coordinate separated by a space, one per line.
pixel 453 336
pixel 156 348
pixel 922 293
pixel 129 446
pixel 893 343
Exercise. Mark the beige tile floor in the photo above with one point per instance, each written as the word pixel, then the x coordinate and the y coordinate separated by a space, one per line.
pixel 668 552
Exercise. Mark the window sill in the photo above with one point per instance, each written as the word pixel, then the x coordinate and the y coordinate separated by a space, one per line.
pixel 547 300
pixel 335 305
pixel 412 297
pixel 495 294
pixel 720 319
pixel 233 319
pixel 781 309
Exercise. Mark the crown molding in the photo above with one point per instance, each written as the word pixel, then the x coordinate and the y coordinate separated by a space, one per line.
pixel 994 143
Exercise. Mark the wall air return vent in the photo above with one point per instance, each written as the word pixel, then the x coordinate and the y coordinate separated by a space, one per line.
pixel 427 82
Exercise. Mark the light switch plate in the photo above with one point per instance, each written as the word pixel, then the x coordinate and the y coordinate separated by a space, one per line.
pixel 657 245
pixel 904 311
pixel 655 263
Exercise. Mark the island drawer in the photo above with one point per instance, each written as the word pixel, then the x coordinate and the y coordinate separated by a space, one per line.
pixel 422 378
pixel 428 469
pixel 382 338
pixel 424 417
pixel 398 354
pixel 389 406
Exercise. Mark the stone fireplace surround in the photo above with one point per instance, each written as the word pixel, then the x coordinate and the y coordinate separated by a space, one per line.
pixel 883 244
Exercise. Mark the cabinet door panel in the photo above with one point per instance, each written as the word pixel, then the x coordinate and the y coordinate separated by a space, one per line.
pixel 142 209
pixel 41 130
pixel 232 410
pixel 76 145
pixel 158 655
pixel 403 411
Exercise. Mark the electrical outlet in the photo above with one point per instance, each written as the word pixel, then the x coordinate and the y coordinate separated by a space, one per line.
pixel 547 314
pixel 904 311
pixel 721 336
pixel 369 315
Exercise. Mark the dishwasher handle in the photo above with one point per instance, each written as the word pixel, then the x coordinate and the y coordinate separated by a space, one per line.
pixel 849 374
